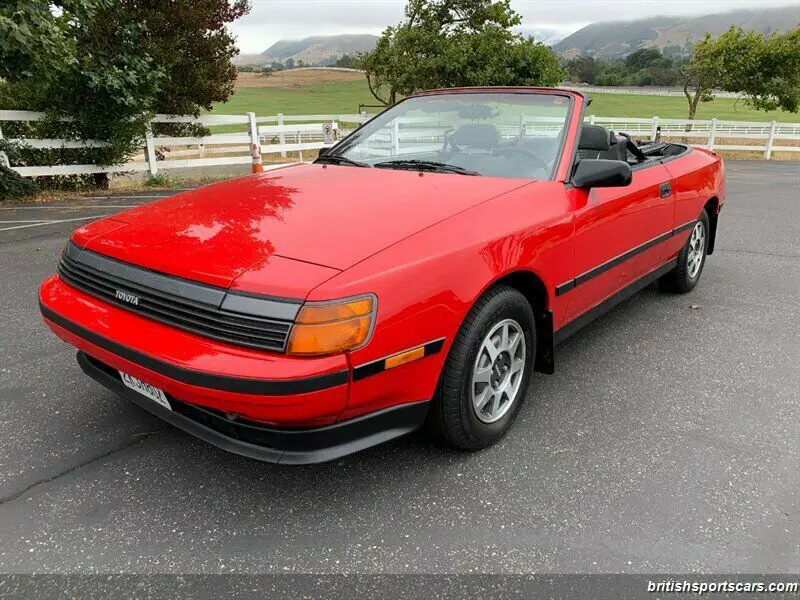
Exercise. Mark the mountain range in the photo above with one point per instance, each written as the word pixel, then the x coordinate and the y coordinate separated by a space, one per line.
pixel 607 39
pixel 316 50
pixel 669 34
pixel 325 50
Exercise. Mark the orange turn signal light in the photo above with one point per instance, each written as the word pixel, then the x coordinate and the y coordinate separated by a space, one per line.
pixel 331 327
pixel 404 357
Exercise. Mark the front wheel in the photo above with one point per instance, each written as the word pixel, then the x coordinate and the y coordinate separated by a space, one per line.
pixel 487 372
pixel 691 260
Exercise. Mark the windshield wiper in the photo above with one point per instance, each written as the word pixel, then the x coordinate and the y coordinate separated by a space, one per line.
pixel 340 160
pixel 424 165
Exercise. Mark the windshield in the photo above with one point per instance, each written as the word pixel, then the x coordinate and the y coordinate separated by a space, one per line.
pixel 491 134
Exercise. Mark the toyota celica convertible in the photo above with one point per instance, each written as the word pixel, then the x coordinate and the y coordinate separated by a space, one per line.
pixel 415 275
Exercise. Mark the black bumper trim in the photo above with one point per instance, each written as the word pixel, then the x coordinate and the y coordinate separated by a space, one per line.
pixel 269 444
pixel 379 366
pixel 223 383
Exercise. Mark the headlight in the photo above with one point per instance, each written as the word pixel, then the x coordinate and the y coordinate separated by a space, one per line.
pixel 330 327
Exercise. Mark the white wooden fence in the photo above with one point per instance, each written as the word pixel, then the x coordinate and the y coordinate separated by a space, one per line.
pixel 419 134
pixel 640 91
pixel 273 134
pixel 298 133
pixel 707 134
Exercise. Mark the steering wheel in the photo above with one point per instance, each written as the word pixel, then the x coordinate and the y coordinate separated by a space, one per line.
pixel 517 150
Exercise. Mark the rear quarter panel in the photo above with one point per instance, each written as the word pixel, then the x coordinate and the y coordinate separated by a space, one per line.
pixel 697 177
pixel 427 283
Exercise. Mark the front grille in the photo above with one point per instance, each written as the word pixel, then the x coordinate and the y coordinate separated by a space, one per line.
pixel 207 320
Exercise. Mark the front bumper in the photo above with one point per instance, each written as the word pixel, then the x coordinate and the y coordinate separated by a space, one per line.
pixel 270 444
pixel 262 387
pixel 267 407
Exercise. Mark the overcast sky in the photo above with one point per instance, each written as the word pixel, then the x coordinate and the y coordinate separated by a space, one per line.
pixel 272 20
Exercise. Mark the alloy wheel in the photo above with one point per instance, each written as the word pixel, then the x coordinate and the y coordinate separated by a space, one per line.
pixel 498 371
pixel 697 249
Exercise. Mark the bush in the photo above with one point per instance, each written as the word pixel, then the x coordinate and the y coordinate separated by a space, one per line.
pixel 157 181
pixel 13 185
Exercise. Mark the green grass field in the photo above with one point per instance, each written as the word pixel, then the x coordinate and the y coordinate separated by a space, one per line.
pixel 344 98
pixel 327 98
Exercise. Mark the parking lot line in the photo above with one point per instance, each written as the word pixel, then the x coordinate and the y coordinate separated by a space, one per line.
pixel 122 197
pixel 55 222
pixel 68 206
pixel 25 221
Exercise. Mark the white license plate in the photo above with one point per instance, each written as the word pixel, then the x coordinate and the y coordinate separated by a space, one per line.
pixel 145 389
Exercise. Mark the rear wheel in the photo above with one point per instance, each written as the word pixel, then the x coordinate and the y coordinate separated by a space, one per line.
pixel 487 371
pixel 691 260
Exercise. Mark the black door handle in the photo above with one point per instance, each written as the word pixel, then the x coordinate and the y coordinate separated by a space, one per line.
pixel 665 190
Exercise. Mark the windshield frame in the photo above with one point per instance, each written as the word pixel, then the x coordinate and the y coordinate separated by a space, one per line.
pixel 562 138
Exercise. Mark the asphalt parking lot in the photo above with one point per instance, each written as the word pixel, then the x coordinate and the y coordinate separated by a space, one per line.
pixel 667 441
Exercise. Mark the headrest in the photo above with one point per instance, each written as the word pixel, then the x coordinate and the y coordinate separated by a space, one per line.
pixel 594 137
pixel 476 135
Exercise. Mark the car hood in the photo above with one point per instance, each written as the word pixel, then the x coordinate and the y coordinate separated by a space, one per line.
pixel 331 217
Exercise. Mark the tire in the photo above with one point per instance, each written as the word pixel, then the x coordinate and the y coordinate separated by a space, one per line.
pixel 685 276
pixel 453 418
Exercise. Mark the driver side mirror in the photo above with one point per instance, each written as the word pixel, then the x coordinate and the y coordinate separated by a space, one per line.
pixel 591 173
pixel 323 151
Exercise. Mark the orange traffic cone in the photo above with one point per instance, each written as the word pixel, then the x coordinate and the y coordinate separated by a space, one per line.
pixel 258 166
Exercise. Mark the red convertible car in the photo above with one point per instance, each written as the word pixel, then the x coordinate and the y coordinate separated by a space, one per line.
pixel 416 274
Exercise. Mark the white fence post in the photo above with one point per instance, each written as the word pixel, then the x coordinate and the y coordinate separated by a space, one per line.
pixel 3 156
pixel 591 119
pixel 150 152
pixel 300 151
pixel 281 136
pixel 770 140
pixel 396 137
pixel 252 128
pixel 654 132
pixel 712 134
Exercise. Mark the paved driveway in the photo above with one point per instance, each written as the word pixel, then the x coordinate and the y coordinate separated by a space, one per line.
pixel 667 441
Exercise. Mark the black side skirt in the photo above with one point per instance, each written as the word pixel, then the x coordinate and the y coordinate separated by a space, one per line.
pixel 612 301
pixel 270 444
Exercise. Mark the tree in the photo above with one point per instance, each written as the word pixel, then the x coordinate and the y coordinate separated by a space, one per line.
pixel 345 61
pixel 108 65
pixel 643 58
pixel 103 86
pixel 13 185
pixel 646 66
pixel 584 68
pixel 446 43
pixel 613 73
pixel 769 78
pixel 191 45
pixel 33 41
pixel 764 69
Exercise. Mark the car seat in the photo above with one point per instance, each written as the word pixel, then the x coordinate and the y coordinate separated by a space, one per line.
pixel 593 141
pixel 476 135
